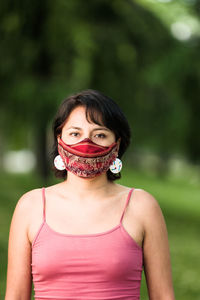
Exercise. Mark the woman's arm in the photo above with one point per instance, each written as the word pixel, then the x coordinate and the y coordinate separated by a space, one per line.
pixel 157 265
pixel 19 254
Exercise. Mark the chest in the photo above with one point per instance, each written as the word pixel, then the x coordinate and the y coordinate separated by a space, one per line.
pixel 107 255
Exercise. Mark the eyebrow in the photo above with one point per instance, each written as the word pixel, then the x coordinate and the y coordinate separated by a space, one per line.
pixel 73 127
pixel 101 128
pixel 95 129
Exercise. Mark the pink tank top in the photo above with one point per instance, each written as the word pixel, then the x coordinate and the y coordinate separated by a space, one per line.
pixel 106 265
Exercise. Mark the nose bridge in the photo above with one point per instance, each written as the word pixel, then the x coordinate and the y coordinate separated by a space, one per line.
pixel 87 133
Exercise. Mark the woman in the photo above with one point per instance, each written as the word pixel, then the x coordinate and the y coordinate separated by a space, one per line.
pixel 88 237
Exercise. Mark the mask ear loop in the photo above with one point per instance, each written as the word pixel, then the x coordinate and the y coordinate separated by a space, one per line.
pixel 116 166
pixel 58 161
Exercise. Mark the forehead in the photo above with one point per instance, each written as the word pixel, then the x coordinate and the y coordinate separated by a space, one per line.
pixel 81 116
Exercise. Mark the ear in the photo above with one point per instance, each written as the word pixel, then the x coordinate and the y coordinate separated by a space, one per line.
pixel 58 138
pixel 118 143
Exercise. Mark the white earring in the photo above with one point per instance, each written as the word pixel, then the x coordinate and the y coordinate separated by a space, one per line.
pixel 58 163
pixel 116 166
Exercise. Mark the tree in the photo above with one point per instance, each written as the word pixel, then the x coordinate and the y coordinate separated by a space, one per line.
pixel 51 49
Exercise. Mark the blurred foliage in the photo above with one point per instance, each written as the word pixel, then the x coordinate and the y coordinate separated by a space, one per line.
pixel 123 48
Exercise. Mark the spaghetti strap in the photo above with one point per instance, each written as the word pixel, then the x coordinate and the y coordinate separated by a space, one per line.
pixel 127 201
pixel 44 204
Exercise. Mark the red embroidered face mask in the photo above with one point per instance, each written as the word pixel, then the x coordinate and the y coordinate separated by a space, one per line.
pixel 86 158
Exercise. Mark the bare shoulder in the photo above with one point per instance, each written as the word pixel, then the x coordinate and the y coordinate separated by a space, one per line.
pixel 27 204
pixel 29 198
pixel 142 200
pixel 149 211
pixel 146 199
pixel 23 215
pixel 146 206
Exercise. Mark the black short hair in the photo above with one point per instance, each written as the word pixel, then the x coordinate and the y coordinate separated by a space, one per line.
pixel 101 110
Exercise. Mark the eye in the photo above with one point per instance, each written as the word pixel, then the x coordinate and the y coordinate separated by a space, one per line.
pixel 100 135
pixel 74 134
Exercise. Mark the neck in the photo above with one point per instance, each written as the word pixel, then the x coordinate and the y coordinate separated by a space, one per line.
pixel 87 187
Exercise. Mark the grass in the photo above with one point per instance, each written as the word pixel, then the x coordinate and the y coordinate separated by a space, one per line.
pixel 179 201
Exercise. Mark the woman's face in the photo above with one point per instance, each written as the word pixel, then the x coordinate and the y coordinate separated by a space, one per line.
pixel 78 128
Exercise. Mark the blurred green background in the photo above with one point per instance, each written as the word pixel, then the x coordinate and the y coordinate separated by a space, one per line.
pixel 145 55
